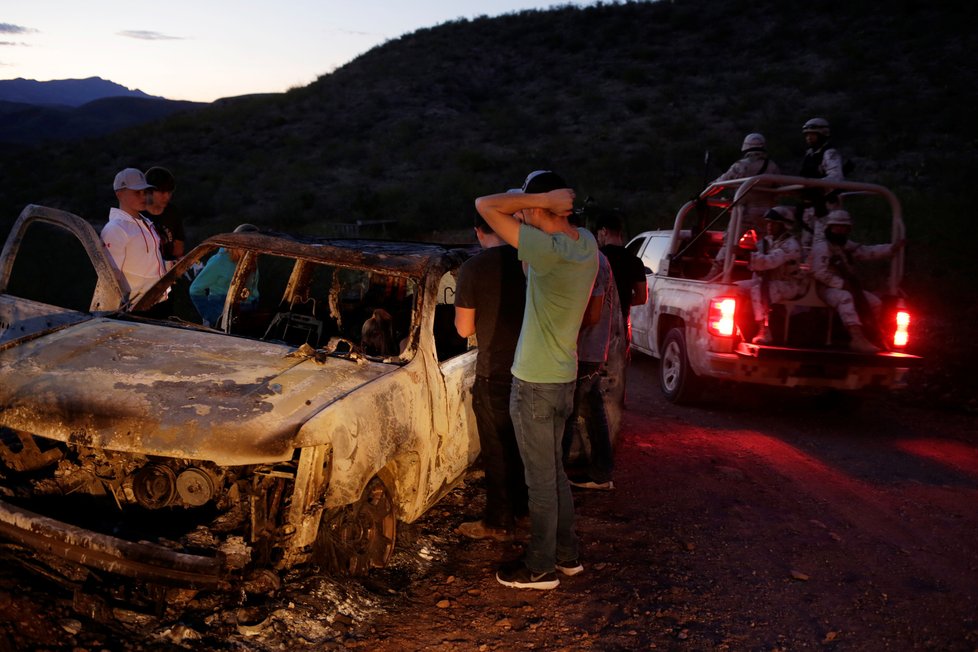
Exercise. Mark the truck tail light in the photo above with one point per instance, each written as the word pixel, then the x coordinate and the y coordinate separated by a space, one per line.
pixel 901 336
pixel 720 321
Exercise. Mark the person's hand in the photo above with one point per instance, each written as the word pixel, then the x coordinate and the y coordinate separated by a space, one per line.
pixel 560 202
pixel 748 240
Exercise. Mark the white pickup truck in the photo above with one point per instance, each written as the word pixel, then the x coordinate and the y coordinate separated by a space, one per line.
pixel 696 321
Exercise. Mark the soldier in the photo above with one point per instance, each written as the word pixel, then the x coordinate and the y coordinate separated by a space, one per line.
pixel 754 204
pixel 820 162
pixel 833 258
pixel 777 269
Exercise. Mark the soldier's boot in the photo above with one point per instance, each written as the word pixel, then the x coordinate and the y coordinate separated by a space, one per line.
pixel 858 341
pixel 764 336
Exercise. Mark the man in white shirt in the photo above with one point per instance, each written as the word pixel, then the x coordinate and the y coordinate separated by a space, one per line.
pixel 132 241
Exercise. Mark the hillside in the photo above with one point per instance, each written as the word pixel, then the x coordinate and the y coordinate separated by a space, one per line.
pixel 29 124
pixel 622 99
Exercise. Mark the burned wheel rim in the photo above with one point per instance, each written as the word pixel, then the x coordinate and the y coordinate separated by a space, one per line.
pixel 360 536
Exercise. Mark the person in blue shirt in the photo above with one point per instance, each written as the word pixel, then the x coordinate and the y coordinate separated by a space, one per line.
pixel 209 289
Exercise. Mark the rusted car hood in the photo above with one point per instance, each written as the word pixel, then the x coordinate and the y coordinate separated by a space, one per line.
pixel 157 390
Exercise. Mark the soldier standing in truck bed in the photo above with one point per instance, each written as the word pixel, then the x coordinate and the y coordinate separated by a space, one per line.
pixel 754 204
pixel 821 162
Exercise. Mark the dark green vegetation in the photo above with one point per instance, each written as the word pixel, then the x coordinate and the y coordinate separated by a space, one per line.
pixel 621 99
pixel 27 124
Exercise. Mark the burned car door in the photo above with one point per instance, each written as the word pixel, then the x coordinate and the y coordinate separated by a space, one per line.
pixel 36 293
pixel 456 364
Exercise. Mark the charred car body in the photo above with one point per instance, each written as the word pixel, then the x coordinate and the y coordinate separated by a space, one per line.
pixel 145 443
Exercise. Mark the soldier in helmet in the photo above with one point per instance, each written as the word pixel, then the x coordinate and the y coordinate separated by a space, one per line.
pixel 754 205
pixel 833 267
pixel 821 162
pixel 777 269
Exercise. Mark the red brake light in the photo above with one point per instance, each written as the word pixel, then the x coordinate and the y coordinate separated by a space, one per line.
pixel 902 333
pixel 720 321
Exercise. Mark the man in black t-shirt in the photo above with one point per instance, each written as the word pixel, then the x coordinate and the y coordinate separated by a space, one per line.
pixel 168 223
pixel 627 268
pixel 489 302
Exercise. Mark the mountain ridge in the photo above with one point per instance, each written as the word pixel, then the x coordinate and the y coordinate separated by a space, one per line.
pixel 64 92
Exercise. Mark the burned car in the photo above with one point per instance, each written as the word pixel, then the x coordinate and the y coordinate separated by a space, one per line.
pixel 324 400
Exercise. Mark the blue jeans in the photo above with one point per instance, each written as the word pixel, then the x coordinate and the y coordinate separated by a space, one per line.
pixel 210 307
pixel 539 412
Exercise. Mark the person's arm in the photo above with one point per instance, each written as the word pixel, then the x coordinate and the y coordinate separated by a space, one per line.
pixel 499 209
pixel 465 321
pixel 832 164
pixel 822 268
pixel 115 240
pixel 592 314
pixel 640 293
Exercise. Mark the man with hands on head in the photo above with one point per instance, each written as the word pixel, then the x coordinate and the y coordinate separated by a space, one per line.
pixel 561 263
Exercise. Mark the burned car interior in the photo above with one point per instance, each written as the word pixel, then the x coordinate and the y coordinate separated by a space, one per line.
pixel 298 301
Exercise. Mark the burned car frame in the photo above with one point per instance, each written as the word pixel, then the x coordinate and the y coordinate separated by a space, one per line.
pixel 328 400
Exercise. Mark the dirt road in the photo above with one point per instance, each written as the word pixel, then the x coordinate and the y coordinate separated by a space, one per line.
pixel 760 520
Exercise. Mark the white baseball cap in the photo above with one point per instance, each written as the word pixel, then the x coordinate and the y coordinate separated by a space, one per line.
pixel 130 179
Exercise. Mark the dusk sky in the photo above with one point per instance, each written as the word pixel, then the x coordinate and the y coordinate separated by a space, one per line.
pixel 202 50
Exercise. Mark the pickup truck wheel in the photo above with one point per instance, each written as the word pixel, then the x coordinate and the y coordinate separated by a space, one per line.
pixel 678 381
pixel 355 538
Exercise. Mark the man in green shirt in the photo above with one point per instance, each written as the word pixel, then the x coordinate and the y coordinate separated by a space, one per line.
pixel 561 264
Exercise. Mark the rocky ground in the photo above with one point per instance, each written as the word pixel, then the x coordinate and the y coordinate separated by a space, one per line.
pixel 759 520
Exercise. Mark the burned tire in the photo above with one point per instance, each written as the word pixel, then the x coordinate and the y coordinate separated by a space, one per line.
pixel 360 536
pixel 678 381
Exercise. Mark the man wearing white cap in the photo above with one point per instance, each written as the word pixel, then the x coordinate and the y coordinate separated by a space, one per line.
pixel 132 241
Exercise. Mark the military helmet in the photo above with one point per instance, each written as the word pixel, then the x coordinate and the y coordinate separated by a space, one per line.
pixel 816 126
pixel 783 214
pixel 838 216
pixel 753 142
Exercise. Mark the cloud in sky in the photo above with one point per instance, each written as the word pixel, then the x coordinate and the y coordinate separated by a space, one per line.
pixel 8 28
pixel 144 35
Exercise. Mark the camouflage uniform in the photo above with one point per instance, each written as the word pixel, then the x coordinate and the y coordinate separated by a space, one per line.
pixel 781 267
pixel 754 204
pixel 820 162
pixel 832 264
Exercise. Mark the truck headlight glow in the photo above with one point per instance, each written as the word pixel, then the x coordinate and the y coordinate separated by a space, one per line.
pixel 720 321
